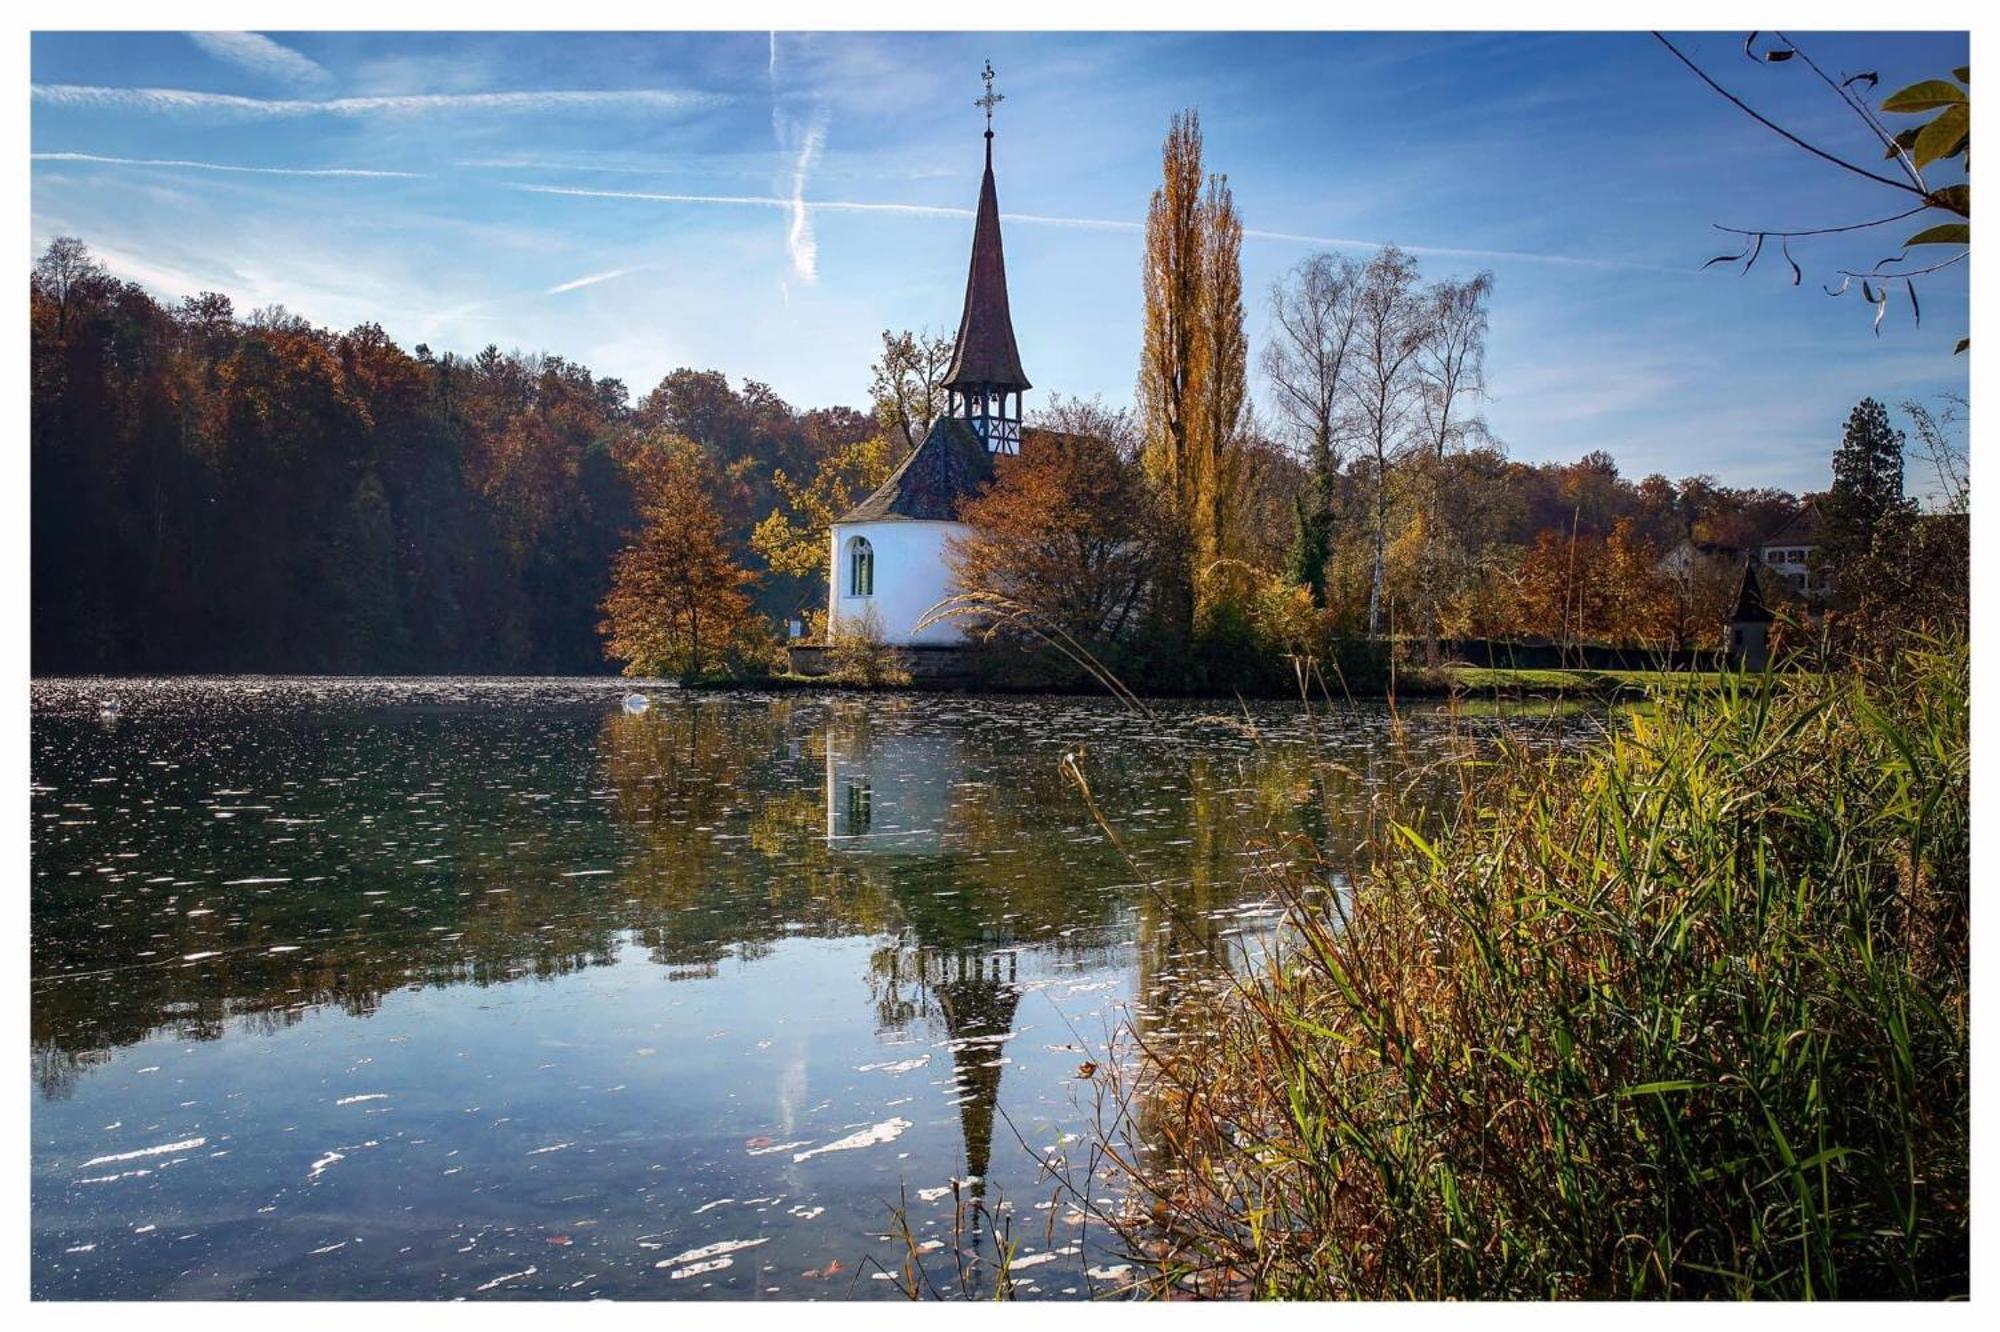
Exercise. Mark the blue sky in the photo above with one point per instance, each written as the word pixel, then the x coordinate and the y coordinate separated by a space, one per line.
pixel 808 190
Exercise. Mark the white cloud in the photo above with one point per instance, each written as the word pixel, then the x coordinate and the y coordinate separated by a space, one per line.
pixel 180 101
pixel 185 165
pixel 163 279
pixel 262 57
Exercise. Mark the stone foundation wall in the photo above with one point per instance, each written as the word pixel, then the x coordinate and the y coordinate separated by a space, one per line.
pixel 939 664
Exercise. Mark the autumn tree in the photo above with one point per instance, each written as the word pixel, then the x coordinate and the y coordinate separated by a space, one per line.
pixel 793 538
pixel 678 603
pixel 1314 315
pixel 907 385
pixel 1192 375
pixel 66 273
pixel 1580 587
pixel 1064 530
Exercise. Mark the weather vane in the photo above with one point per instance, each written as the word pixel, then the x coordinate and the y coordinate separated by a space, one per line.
pixel 991 100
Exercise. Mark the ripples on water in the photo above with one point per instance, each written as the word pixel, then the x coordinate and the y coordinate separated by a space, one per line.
pixel 487 988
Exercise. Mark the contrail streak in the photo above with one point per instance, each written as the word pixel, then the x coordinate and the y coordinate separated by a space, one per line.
pixel 174 101
pixel 1084 223
pixel 799 239
pixel 221 166
pixel 588 281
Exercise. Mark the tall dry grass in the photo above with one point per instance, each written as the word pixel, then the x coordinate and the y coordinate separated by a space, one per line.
pixel 1685 1016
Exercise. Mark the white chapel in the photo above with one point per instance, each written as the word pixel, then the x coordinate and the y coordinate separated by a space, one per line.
pixel 888 552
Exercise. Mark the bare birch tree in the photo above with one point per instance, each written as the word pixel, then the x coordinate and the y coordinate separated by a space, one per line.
pixel 1314 319
pixel 1450 370
pixel 1383 391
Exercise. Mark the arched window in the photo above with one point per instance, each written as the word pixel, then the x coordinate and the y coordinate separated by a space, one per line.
pixel 860 568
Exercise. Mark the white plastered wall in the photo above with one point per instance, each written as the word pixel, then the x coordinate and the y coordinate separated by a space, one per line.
pixel 911 576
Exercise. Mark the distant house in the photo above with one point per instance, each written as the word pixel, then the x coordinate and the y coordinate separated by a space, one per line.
pixel 1689 555
pixel 1787 552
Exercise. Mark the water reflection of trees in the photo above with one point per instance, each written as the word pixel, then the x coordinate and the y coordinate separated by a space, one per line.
pixel 496 846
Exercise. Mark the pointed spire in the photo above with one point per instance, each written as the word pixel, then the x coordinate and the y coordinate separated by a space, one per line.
pixel 986 357
pixel 1750 607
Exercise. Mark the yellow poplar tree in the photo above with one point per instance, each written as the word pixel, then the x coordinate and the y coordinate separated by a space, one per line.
pixel 1192 368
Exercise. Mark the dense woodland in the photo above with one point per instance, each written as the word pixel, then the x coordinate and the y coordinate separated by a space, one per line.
pixel 250 493
pixel 223 492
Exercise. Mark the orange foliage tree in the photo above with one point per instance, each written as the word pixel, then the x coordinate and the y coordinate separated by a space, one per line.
pixel 1066 530
pixel 678 604
pixel 1608 589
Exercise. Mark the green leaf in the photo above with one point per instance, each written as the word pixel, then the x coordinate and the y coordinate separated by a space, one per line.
pixel 1963 343
pixel 1963 73
pixel 1415 839
pixel 1944 136
pixel 1926 96
pixel 1656 1088
pixel 1944 233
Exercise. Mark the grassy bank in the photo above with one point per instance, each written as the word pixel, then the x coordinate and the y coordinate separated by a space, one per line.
pixel 1683 1017
pixel 1560 683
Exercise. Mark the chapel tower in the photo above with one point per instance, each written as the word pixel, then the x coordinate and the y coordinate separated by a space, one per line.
pixel 985 379
pixel 889 568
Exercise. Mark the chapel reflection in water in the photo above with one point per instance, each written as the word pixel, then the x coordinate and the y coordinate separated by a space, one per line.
pixel 481 846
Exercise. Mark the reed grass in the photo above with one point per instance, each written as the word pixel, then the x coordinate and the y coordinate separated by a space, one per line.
pixel 1683 1016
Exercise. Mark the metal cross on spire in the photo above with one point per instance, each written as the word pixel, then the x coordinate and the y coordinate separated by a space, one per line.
pixel 991 99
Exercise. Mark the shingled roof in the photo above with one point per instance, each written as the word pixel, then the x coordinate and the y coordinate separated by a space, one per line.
pixel 985 356
pixel 950 465
pixel 1804 527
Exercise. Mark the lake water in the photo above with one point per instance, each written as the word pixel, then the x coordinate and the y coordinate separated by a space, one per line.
pixel 489 989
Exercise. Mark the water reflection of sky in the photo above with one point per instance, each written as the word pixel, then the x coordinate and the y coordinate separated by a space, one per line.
pixel 439 989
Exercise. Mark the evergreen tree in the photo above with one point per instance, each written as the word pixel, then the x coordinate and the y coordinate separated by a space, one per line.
pixel 1312 533
pixel 1867 483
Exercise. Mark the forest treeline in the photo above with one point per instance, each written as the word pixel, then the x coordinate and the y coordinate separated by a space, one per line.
pixel 215 491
